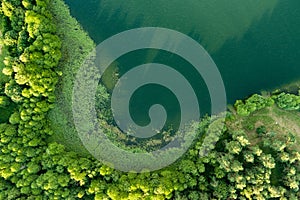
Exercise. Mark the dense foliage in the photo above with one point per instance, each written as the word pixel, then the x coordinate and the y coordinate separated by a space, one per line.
pixel 233 167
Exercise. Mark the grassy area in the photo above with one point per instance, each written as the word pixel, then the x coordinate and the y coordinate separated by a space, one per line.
pixel 76 45
pixel 272 118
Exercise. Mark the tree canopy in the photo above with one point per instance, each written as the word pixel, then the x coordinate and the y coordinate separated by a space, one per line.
pixel 236 165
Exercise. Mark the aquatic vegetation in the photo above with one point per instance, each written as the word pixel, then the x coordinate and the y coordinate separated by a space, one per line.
pixel 256 157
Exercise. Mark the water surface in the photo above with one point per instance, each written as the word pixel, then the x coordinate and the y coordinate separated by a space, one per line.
pixel 255 44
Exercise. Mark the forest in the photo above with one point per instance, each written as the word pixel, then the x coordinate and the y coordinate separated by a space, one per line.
pixel 257 155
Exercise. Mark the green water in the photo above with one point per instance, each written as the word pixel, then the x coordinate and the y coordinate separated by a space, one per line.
pixel 255 44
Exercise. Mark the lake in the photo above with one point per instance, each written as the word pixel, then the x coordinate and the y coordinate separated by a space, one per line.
pixel 255 44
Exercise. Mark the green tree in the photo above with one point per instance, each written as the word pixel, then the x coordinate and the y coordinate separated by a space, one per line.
pixel 4 101
pixel 288 101
pixel 234 147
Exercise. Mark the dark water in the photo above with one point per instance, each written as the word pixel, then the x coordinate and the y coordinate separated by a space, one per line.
pixel 255 44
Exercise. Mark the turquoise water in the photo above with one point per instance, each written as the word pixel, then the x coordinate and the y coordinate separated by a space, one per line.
pixel 255 44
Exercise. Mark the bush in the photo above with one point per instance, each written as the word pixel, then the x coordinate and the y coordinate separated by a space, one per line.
pixel 253 103
pixel 288 101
